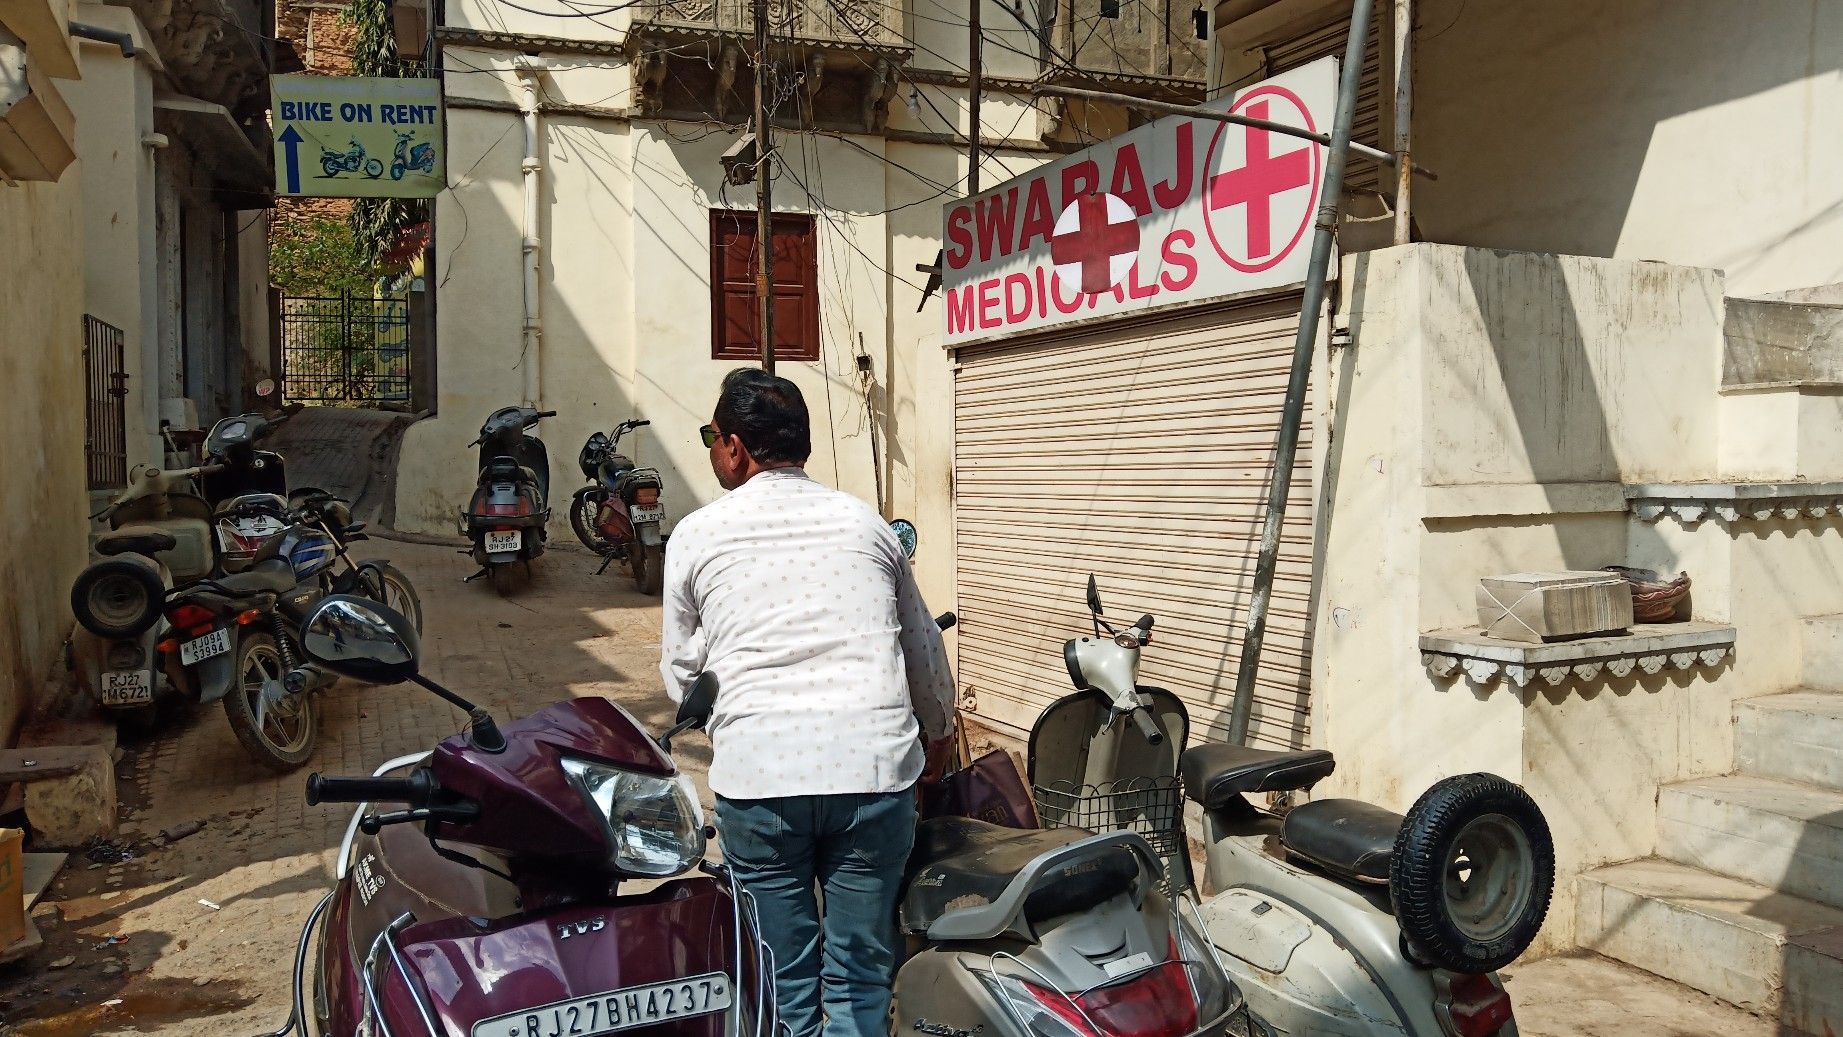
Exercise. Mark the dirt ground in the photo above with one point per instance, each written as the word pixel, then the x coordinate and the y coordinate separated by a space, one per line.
pixel 197 936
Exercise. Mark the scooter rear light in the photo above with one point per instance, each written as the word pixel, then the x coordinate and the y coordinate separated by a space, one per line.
pixel 519 507
pixel 248 616
pixel 1475 1006
pixel 646 495
pixel 1158 1002
pixel 193 619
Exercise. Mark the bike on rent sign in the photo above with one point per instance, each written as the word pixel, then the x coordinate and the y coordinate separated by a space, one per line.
pixel 1177 212
pixel 357 137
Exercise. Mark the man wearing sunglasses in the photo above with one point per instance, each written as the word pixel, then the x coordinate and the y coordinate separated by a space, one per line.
pixel 833 697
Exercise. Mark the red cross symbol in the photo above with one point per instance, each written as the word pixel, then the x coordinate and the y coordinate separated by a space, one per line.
pixel 1266 186
pixel 1092 233
pixel 1255 183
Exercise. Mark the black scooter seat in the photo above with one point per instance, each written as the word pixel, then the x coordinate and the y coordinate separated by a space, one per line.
pixel 130 541
pixel 1352 840
pixel 960 862
pixel 1215 774
pixel 507 469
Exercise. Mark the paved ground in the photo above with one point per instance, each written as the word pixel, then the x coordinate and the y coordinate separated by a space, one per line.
pixel 263 856
pixel 194 936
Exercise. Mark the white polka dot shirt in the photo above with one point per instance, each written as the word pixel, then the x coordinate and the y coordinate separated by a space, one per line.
pixel 829 666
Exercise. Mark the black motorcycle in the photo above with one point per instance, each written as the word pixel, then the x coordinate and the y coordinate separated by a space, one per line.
pixel 618 514
pixel 236 637
pixel 510 508
pixel 247 488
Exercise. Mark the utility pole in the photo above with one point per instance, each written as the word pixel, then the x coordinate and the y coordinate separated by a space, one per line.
pixel 1404 97
pixel 764 191
pixel 975 42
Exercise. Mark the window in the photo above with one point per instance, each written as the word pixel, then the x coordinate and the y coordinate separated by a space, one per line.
pixel 734 320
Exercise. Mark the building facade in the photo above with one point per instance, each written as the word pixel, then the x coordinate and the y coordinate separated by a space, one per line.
pixel 643 246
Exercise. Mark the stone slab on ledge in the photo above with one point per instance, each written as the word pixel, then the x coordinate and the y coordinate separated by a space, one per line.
pixel 1691 503
pixel 1647 648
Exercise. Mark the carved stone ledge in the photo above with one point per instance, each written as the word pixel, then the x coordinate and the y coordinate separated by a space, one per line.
pixel 1648 648
pixel 1692 503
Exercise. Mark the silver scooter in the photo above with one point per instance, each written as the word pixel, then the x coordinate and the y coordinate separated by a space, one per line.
pixel 1336 916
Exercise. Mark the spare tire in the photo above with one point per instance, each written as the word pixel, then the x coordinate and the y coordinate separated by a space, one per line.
pixel 118 597
pixel 1471 875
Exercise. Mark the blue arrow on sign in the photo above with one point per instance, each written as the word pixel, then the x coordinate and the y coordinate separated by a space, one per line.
pixel 291 142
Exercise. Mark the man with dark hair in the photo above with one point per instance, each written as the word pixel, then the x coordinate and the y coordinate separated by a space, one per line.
pixel 830 672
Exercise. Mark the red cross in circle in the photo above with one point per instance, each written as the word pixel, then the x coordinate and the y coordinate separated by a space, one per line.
pixel 1258 180
pixel 1094 244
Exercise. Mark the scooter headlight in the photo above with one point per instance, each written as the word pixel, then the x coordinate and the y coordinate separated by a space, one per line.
pixel 654 824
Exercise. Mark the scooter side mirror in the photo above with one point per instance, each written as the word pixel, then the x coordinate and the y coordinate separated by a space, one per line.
pixel 694 712
pixel 1094 596
pixel 359 638
pixel 906 535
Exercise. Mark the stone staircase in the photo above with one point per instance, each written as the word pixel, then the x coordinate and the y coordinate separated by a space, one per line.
pixel 1745 897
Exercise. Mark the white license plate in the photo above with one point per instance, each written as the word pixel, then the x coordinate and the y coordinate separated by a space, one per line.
pixel 616 1010
pixel 499 541
pixel 215 643
pixel 648 512
pixel 127 688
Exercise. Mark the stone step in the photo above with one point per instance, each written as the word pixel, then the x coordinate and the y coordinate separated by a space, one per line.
pixel 1823 644
pixel 1786 836
pixel 1796 736
pixel 1766 951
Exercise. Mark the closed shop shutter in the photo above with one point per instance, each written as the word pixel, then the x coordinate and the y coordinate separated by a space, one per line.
pixel 1141 453
pixel 1329 39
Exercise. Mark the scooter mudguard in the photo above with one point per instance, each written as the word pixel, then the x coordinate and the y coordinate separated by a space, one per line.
pixel 662 958
pixel 649 534
pixel 91 655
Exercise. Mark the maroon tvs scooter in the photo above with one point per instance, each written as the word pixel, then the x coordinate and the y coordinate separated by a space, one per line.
pixel 490 902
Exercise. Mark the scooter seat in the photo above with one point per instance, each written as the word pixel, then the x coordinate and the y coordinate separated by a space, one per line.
pixel 960 862
pixel 272 576
pixel 1215 774
pixel 1350 839
pixel 134 541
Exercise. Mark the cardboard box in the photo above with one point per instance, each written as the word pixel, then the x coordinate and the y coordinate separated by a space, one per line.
pixel 1556 606
pixel 12 887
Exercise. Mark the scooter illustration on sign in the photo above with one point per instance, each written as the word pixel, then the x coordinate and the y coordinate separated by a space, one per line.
pixel 419 158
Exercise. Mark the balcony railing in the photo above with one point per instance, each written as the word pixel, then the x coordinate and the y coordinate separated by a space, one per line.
pixel 848 23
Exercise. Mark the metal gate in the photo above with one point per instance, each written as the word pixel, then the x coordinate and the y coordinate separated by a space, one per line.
pixel 1140 452
pixel 352 349
pixel 105 413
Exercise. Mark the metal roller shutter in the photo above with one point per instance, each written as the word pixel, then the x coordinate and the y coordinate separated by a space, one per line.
pixel 1329 39
pixel 1141 453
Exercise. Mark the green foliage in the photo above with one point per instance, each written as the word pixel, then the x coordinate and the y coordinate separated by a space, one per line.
pixel 376 222
pixel 319 257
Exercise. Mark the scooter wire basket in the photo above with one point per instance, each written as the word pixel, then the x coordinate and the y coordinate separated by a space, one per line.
pixel 1152 807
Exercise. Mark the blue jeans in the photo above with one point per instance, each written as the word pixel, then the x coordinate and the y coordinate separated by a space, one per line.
pixel 854 848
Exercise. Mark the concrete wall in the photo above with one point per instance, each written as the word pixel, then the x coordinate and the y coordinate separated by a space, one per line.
pixel 42 529
pixel 626 299
pixel 113 103
pixel 1697 132
pixel 1485 418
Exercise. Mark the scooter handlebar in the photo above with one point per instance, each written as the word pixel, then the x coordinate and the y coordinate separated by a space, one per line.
pixel 414 789
pixel 945 620
pixel 546 414
pixel 1143 717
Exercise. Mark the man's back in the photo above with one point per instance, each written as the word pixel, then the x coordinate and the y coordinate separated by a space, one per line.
pixel 795 596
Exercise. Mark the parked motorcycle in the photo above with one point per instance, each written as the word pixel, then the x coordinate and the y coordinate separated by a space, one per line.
pixel 509 913
pixel 618 514
pixel 1334 916
pixel 160 537
pixel 236 638
pixel 420 158
pixel 352 160
pixel 248 491
pixel 510 509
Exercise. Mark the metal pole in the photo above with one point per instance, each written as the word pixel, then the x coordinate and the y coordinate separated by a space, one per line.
pixel 764 192
pixel 975 65
pixel 1328 199
pixel 1404 97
